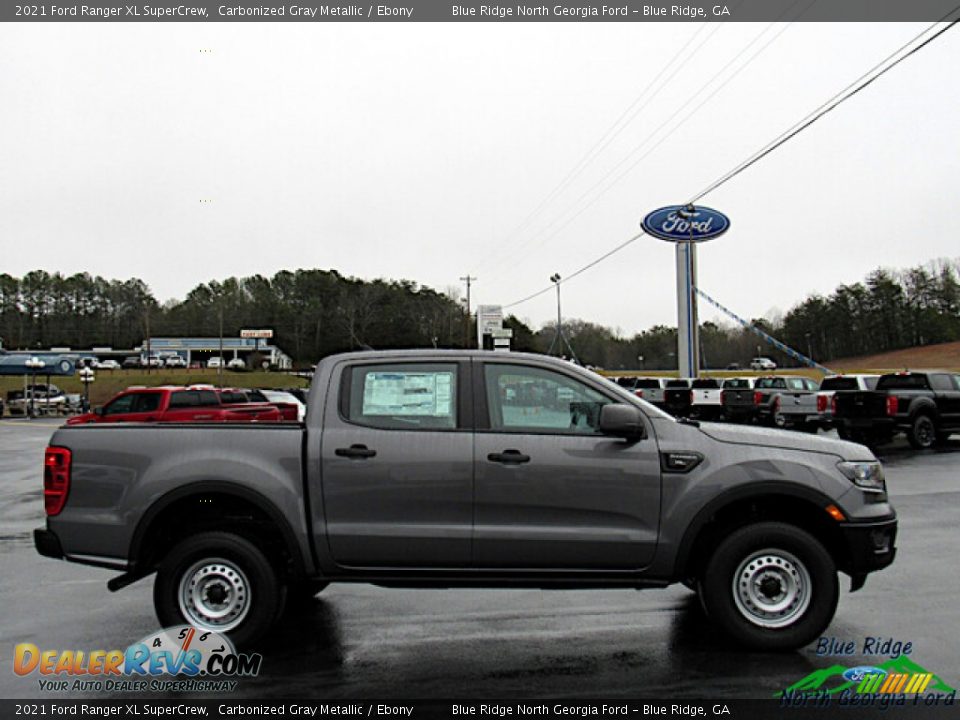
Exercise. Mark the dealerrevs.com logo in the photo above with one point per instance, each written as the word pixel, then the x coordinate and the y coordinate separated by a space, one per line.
pixel 180 658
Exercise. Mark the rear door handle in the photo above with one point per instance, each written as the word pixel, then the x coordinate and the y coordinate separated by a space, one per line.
pixel 509 457
pixel 355 451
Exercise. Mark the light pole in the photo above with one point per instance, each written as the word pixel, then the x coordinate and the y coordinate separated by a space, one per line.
pixel 560 339
pixel 555 279
pixel 87 376
pixel 35 364
pixel 809 347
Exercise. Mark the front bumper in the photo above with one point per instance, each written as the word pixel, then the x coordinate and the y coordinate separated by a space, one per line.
pixel 870 546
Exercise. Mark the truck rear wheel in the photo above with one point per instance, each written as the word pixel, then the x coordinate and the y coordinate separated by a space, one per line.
pixel 771 586
pixel 922 433
pixel 218 581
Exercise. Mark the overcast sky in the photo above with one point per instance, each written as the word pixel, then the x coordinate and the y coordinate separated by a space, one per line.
pixel 420 151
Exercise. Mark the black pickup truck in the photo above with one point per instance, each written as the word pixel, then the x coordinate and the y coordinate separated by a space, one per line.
pixel 923 405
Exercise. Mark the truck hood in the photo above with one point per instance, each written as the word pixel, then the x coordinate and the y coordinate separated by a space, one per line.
pixel 785 439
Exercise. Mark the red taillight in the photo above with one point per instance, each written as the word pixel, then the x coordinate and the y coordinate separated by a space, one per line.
pixel 56 479
pixel 833 404
pixel 638 393
pixel 691 397
pixel 821 403
pixel 758 398
pixel 892 404
pixel 723 397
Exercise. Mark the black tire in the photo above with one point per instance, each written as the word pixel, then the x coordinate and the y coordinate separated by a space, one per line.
pixel 922 434
pixel 769 558
pixel 233 567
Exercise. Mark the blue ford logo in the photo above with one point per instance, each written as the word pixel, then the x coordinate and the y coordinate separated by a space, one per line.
pixel 686 222
pixel 856 674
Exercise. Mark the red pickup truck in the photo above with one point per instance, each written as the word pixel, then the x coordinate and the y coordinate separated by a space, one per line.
pixel 175 404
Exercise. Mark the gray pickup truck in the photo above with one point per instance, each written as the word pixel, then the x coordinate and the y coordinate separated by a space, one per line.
pixel 470 469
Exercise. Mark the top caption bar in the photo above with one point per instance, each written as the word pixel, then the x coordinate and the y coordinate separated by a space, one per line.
pixel 471 11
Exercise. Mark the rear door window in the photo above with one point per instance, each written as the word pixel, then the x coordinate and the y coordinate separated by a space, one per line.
pixel 184 399
pixel 903 382
pixel 408 396
pixel 941 382
pixel 146 402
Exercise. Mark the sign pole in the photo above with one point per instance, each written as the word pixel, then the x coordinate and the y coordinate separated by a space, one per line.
pixel 688 335
pixel 686 226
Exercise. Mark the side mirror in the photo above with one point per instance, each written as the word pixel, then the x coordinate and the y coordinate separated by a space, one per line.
pixel 98 411
pixel 623 421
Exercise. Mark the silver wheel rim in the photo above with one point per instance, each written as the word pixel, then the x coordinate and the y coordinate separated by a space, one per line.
pixel 772 588
pixel 779 420
pixel 214 594
pixel 925 432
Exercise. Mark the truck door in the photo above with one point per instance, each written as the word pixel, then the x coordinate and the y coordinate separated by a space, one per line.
pixel 551 491
pixel 397 465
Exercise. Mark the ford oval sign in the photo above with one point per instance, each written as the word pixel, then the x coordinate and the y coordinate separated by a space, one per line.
pixel 856 674
pixel 686 223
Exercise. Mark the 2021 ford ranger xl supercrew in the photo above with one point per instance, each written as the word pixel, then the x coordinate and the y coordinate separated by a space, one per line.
pixel 474 469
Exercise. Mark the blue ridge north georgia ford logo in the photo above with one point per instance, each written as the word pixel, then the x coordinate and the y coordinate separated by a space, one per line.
pixel 686 223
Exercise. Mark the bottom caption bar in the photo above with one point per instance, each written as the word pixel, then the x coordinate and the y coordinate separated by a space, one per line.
pixel 486 710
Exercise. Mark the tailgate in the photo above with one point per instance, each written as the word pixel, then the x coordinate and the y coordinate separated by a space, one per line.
pixel 860 404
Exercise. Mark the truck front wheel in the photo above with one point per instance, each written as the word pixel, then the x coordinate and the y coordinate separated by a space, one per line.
pixel 218 581
pixel 771 586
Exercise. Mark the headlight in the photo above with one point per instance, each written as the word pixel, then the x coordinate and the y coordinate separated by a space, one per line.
pixel 866 475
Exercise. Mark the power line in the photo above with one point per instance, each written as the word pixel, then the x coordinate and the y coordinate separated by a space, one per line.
pixel 551 231
pixel 630 113
pixel 857 85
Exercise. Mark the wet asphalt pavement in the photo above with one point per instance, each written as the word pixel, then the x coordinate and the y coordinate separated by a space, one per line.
pixel 359 641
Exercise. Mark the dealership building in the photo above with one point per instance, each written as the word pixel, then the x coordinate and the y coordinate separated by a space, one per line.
pixel 199 350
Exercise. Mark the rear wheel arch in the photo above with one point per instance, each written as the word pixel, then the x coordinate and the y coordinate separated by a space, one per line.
pixel 215 506
pixel 772 501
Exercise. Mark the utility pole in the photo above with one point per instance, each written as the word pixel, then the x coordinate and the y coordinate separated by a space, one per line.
pixel 466 330
pixel 147 327
pixel 220 364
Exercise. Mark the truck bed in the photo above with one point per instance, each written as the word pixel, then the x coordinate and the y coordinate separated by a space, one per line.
pixel 118 470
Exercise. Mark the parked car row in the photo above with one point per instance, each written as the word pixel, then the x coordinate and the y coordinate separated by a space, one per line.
pixel 194 403
pixel 39 399
pixel 867 408
pixel 923 405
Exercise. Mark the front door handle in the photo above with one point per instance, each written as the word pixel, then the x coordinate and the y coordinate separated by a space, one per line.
pixel 509 457
pixel 355 451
